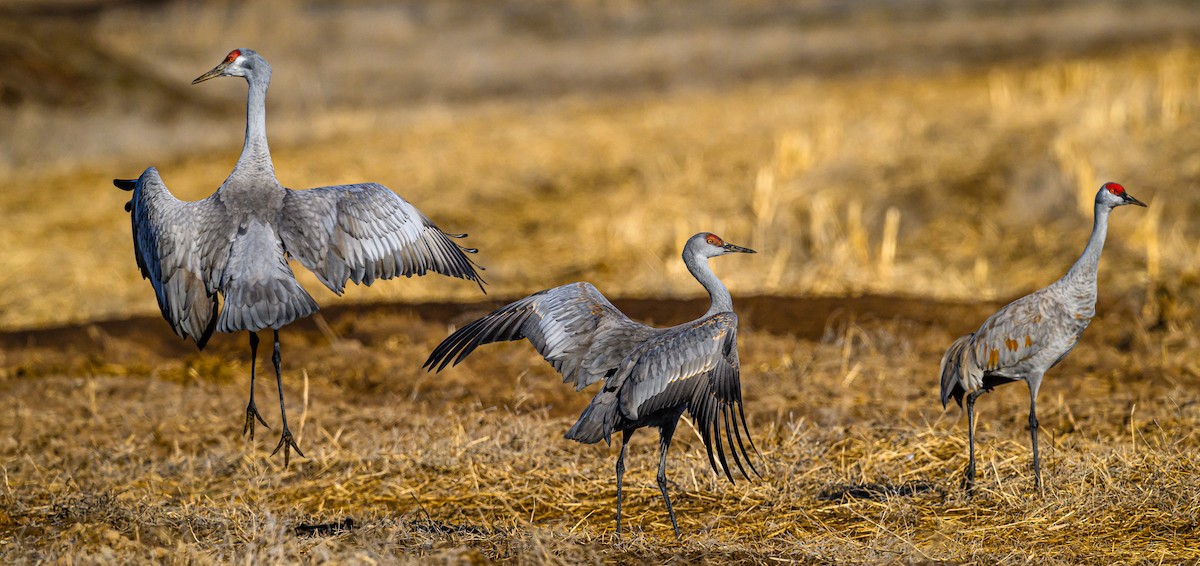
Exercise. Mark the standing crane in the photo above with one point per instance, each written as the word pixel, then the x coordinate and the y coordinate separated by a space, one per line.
pixel 1030 335
pixel 236 243
pixel 651 375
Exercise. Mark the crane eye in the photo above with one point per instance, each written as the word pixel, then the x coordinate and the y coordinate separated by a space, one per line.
pixel 713 240
pixel 233 55
pixel 1114 188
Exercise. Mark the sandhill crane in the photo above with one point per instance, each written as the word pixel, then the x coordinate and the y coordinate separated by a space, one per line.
pixel 1029 335
pixel 236 242
pixel 651 375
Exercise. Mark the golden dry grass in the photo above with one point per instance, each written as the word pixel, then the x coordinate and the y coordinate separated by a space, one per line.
pixel 958 182
pixel 138 455
pixel 809 172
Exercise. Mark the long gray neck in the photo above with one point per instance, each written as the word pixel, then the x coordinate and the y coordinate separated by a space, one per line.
pixel 1085 268
pixel 256 155
pixel 698 266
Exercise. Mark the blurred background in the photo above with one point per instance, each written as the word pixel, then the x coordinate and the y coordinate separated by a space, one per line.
pixel 927 148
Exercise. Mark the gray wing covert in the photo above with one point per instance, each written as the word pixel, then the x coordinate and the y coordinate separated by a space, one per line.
pixel 366 232
pixel 665 371
pixel 1016 333
pixel 573 327
pixel 175 254
pixel 695 365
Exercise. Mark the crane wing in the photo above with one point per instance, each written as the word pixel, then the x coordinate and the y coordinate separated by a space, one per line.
pixel 1016 333
pixel 366 232
pixel 573 327
pixel 172 254
pixel 693 365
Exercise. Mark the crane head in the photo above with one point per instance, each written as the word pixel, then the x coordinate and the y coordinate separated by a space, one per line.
pixel 238 63
pixel 1114 195
pixel 708 244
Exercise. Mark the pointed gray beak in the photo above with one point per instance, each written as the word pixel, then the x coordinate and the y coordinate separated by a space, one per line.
pixel 1130 200
pixel 732 248
pixel 215 72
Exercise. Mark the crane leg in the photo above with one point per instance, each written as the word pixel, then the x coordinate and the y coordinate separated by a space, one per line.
pixel 251 410
pixel 970 480
pixel 286 442
pixel 1033 431
pixel 664 441
pixel 621 475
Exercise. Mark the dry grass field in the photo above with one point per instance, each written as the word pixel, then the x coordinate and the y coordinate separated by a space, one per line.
pixel 902 169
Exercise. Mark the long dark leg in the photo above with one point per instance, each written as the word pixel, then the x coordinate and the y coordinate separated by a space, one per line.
pixel 251 410
pixel 971 439
pixel 621 474
pixel 286 441
pixel 1033 431
pixel 664 441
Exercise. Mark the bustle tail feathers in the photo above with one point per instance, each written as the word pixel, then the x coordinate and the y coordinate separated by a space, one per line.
pixel 953 364
pixel 597 421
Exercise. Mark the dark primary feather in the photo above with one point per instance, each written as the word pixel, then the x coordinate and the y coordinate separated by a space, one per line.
pixel 366 232
pixel 694 365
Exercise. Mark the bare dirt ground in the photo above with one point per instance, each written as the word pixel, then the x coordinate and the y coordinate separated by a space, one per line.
pixel 901 168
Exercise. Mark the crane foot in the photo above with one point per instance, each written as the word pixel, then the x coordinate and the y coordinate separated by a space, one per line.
pixel 287 443
pixel 252 414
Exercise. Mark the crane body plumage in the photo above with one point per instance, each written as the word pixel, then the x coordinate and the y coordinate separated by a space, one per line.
pixel 221 263
pixel 1030 335
pixel 650 376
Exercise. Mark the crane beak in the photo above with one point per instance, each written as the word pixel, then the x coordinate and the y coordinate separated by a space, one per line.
pixel 732 249
pixel 1130 200
pixel 215 72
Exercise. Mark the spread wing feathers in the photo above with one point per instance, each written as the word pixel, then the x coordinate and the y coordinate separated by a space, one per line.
pixel 1001 349
pixel 366 232
pixel 173 254
pixel 259 293
pixel 694 365
pixel 573 327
